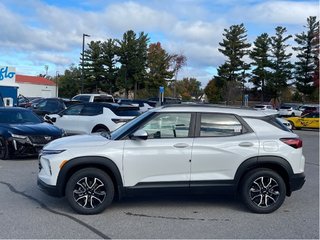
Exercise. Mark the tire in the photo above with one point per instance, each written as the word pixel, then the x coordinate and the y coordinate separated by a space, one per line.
pixel 263 190
pixel 89 191
pixel 4 151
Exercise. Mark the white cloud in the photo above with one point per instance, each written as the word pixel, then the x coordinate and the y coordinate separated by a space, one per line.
pixel 277 12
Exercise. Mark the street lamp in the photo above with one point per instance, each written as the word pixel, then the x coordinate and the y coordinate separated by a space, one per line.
pixel 57 87
pixel 82 73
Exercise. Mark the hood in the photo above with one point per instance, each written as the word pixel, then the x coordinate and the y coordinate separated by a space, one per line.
pixel 77 141
pixel 33 129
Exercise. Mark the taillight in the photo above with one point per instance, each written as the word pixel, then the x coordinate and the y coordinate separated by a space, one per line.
pixel 120 120
pixel 293 142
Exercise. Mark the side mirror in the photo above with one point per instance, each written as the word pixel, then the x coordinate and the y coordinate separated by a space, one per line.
pixel 139 135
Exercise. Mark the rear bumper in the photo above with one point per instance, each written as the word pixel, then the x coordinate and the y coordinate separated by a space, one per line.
pixel 297 181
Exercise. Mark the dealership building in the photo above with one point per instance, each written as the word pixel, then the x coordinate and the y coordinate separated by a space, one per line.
pixel 31 86
pixel 12 84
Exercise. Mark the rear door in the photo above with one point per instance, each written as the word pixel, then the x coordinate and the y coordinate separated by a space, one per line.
pixel 222 143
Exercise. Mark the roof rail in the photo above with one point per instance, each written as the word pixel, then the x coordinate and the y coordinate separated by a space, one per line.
pixel 202 105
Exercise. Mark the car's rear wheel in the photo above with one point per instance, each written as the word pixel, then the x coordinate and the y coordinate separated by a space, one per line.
pixel 263 190
pixel 89 191
pixel 4 152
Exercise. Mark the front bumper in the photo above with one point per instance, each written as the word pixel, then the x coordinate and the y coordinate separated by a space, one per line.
pixel 48 189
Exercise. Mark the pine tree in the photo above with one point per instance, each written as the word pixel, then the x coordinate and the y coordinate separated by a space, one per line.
pixel 260 57
pixel 109 60
pixel 94 74
pixel 133 59
pixel 281 66
pixel 234 47
pixel 306 66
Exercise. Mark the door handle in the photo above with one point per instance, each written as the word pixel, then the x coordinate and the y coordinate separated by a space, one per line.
pixel 181 145
pixel 246 144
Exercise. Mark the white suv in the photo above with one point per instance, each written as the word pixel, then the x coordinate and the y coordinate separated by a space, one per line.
pixel 188 146
pixel 89 117
pixel 93 97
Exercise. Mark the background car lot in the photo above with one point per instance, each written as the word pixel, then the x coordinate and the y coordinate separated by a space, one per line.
pixel 28 213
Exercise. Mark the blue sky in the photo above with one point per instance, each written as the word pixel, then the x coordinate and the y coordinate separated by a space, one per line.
pixel 35 33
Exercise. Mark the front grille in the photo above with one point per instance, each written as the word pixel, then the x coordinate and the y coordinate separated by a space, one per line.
pixel 41 139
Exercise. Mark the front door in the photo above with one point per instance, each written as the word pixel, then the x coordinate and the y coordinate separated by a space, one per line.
pixel 164 158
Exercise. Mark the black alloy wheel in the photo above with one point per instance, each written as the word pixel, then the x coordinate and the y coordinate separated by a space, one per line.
pixel 263 190
pixel 89 191
pixel 4 152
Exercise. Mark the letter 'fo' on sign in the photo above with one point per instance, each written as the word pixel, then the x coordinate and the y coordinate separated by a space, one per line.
pixel 7 75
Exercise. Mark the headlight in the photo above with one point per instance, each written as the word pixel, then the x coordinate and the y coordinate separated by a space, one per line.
pixel 47 152
pixel 21 138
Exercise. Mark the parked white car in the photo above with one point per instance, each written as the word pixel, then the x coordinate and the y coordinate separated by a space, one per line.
pixel 142 104
pixel 85 118
pixel 191 147
pixel 290 110
pixel 93 97
pixel 262 107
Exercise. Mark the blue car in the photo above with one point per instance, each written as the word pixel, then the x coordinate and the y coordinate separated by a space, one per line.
pixel 23 133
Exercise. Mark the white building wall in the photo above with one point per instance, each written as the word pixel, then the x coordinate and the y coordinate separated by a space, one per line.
pixel 34 90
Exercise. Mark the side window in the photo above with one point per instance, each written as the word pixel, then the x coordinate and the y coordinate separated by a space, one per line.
pixel 168 125
pixel 219 125
pixel 84 98
pixel 73 110
pixel 91 110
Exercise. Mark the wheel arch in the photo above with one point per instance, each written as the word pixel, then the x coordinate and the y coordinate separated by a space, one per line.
pixel 102 163
pixel 99 126
pixel 275 163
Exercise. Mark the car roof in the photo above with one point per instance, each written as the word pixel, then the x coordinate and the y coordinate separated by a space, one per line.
pixel 109 105
pixel 93 94
pixel 13 109
pixel 210 109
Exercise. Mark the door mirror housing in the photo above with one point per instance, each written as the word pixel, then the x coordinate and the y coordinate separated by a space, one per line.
pixel 139 135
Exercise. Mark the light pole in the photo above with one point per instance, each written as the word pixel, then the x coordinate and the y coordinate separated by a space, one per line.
pixel 57 87
pixel 82 73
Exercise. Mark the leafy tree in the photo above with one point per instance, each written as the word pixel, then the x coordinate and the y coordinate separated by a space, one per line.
pixel 189 88
pixel 234 47
pixel 109 61
pixel 280 64
pixel 306 65
pixel 178 61
pixel 260 56
pixel 133 59
pixel 158 68
pixel 69 83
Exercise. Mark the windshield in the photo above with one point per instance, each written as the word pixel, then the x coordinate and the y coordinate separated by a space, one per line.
pixel 126 127
pixel 18 117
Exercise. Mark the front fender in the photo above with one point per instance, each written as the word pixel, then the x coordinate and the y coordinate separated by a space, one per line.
pixel 78 163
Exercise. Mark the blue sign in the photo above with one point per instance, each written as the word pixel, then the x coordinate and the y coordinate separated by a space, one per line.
pixel 4 73
pixel 161 89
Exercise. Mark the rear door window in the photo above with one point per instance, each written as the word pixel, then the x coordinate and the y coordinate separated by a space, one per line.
pixel 219 125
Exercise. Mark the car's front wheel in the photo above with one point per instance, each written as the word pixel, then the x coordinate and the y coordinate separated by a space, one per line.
pixel 4 152
pixel 263 190
pixel 89 191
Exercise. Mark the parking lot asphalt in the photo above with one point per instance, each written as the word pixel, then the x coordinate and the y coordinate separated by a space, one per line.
pixel 26 212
